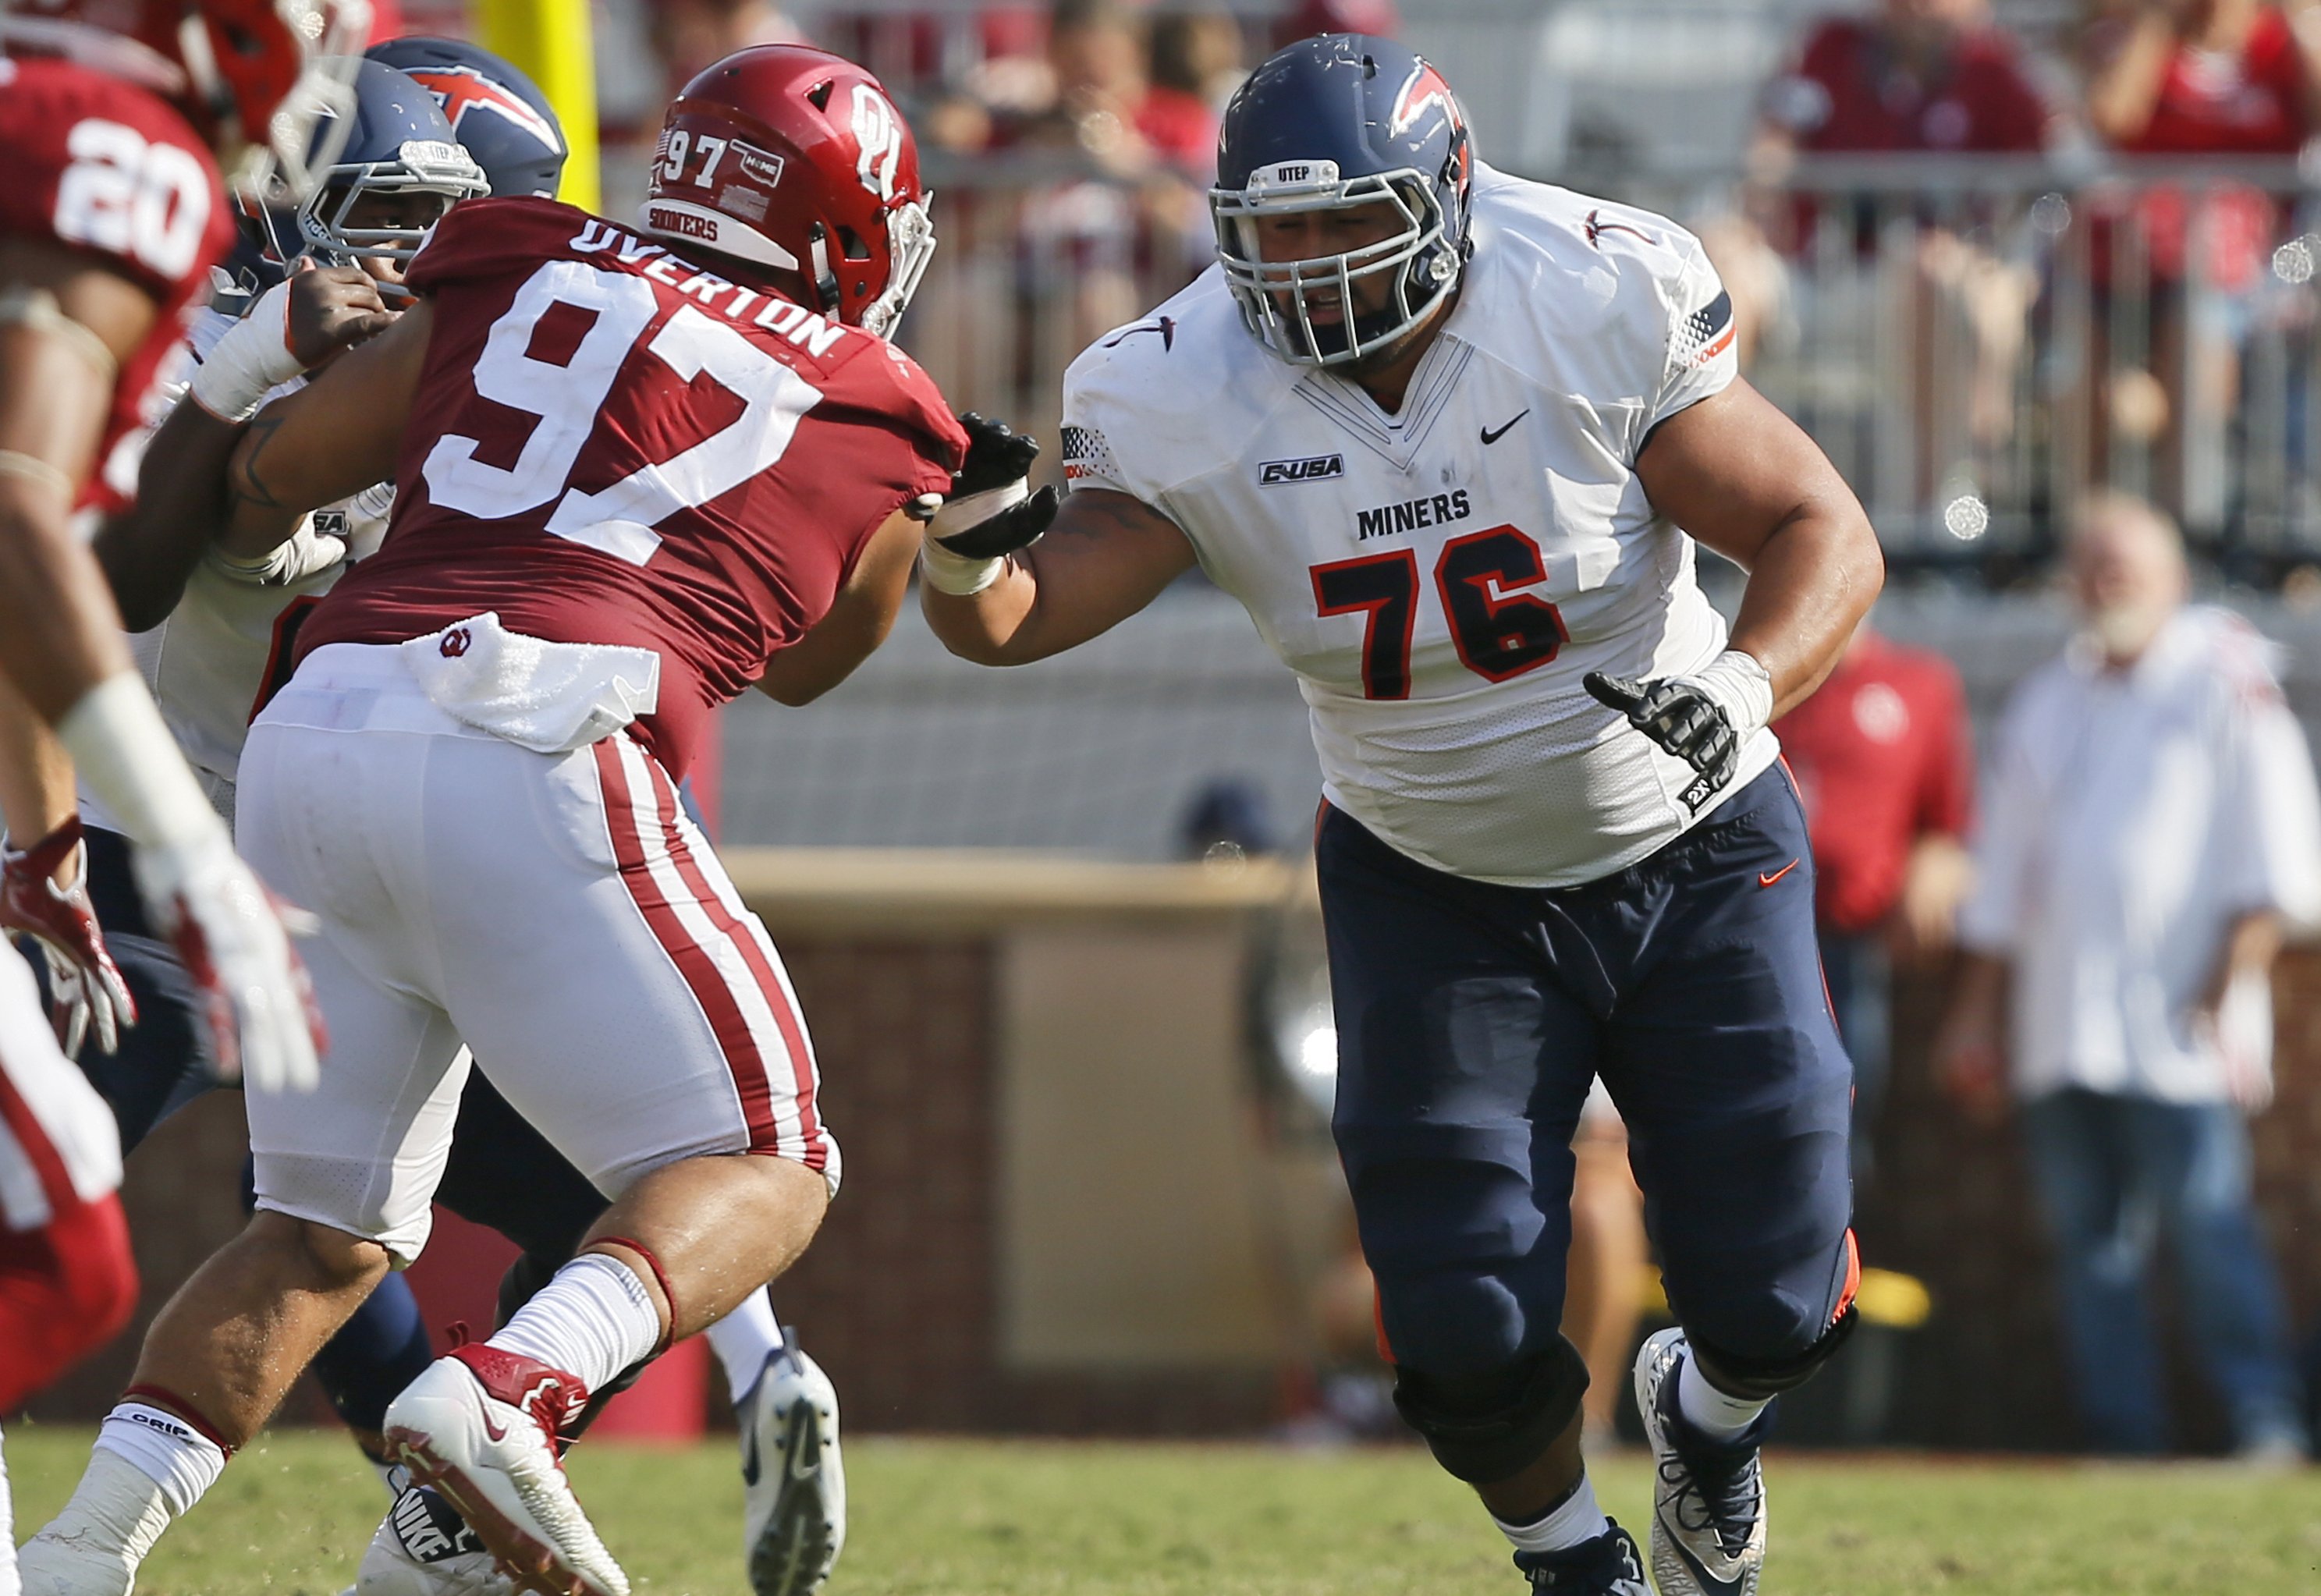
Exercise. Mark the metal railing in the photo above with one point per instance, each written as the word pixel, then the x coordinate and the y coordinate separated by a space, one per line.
pixel 1975 342
pixel 1978 342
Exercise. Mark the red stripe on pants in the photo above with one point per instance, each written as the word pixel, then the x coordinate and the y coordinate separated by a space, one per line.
pixel 694 963
pixel 753 953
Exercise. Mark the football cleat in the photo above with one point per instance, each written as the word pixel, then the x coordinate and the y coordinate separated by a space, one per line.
pixel 481 1427
pixel 795 1520
pixel 422 1549
pixel 1708 1500
pixel 1608 1565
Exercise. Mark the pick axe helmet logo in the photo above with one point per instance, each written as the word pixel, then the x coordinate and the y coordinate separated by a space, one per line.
pixel 462 89
pixel 1423 87
pixel 879 134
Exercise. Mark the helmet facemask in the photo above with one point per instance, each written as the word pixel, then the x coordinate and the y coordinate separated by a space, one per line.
pixel 911 245
pixel 421 166
pixel 1277 297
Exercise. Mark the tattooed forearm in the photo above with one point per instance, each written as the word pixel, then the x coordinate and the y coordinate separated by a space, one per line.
pixel 247 487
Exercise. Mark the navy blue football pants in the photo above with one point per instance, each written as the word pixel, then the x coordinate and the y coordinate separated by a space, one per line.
pixel 1472 1019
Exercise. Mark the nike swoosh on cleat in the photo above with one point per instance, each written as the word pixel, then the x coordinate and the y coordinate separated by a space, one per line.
pixel 492 1428
pixel 1765 880
pixel 1493 434
pixel 1708 1581
pixel 805 1461
pixel 749 1456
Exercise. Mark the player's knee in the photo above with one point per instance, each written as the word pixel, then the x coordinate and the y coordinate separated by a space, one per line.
pixel 1492 1426
pixel 1761 1343
pixel 330 1260
pixel 1757 1375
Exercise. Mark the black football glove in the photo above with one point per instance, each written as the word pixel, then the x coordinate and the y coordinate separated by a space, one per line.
pixel 1679 715
pixel 998 457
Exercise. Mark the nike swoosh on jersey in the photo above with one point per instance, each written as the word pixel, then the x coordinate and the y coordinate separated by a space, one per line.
pixel 1765 880
pixel 1493 434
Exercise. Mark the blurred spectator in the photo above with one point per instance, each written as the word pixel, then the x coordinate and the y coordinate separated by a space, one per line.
pixel 1196 54
pixel 2150 825
pixel 1227 820
pixel 690 34
pixel 2190 77
pixel 1923 75
pixel 1884 759
pixel 2201 77
pixel 1308 17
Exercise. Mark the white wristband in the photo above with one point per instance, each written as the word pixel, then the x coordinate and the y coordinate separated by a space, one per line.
pixel 963 575
pixel 958 514
pixel 250 361
pixel 123 751
pixel 1740 686
pixel 957 574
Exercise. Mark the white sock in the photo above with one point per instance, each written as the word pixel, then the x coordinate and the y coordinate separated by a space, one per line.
pixel 8 1585
pixel 744 1339
pixel 592 1321
pixel 147 1467
pixel 1716 1415
pixel 1569 1523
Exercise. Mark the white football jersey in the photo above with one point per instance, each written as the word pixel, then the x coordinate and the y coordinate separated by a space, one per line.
pixel 228 644
pixel 1442 578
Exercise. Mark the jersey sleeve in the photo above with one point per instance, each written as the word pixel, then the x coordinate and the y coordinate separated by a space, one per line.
pixel 1700 360
pixel 1112 437
pixel 937 439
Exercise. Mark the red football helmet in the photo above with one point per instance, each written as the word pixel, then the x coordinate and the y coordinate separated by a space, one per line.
pixel 794 157
pixel 254 75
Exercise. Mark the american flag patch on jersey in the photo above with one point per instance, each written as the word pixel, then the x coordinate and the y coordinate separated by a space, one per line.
pixel 1707 334
pixel 1086 454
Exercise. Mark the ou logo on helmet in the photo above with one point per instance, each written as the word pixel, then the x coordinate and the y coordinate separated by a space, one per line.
pixel 878 135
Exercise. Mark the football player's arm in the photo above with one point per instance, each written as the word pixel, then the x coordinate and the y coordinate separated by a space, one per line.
pixel 1744 480
pixel 857 622
pixel 335 437
pixel 1104 558
pixel 69 325
pixel 149 549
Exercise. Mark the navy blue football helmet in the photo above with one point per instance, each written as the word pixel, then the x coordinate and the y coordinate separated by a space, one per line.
pixel 1332 123
pixel 496 112
pixel 400 143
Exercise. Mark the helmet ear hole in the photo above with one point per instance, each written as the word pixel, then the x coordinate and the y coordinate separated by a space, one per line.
pixel 819 94
pixel 852 244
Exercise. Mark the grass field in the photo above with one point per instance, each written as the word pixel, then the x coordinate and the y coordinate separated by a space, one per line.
pixel 976 1518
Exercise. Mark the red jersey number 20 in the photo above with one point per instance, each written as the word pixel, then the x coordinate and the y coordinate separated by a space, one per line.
pixel 617 519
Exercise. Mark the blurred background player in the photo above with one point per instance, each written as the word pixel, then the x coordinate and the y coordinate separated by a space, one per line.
pixel 1555 844
pixel 113 216
pixel 225 645
pixel 1884 760
pixel 2150 831
pixel 679 1049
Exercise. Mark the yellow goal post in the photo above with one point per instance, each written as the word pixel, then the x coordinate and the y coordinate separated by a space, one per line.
pixel 551 41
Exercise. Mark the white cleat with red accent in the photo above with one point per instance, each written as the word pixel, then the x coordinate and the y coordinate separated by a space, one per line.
pixel 481 1426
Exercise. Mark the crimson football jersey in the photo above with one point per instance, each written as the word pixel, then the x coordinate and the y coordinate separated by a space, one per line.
pixel 102 166
pixel 613 445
